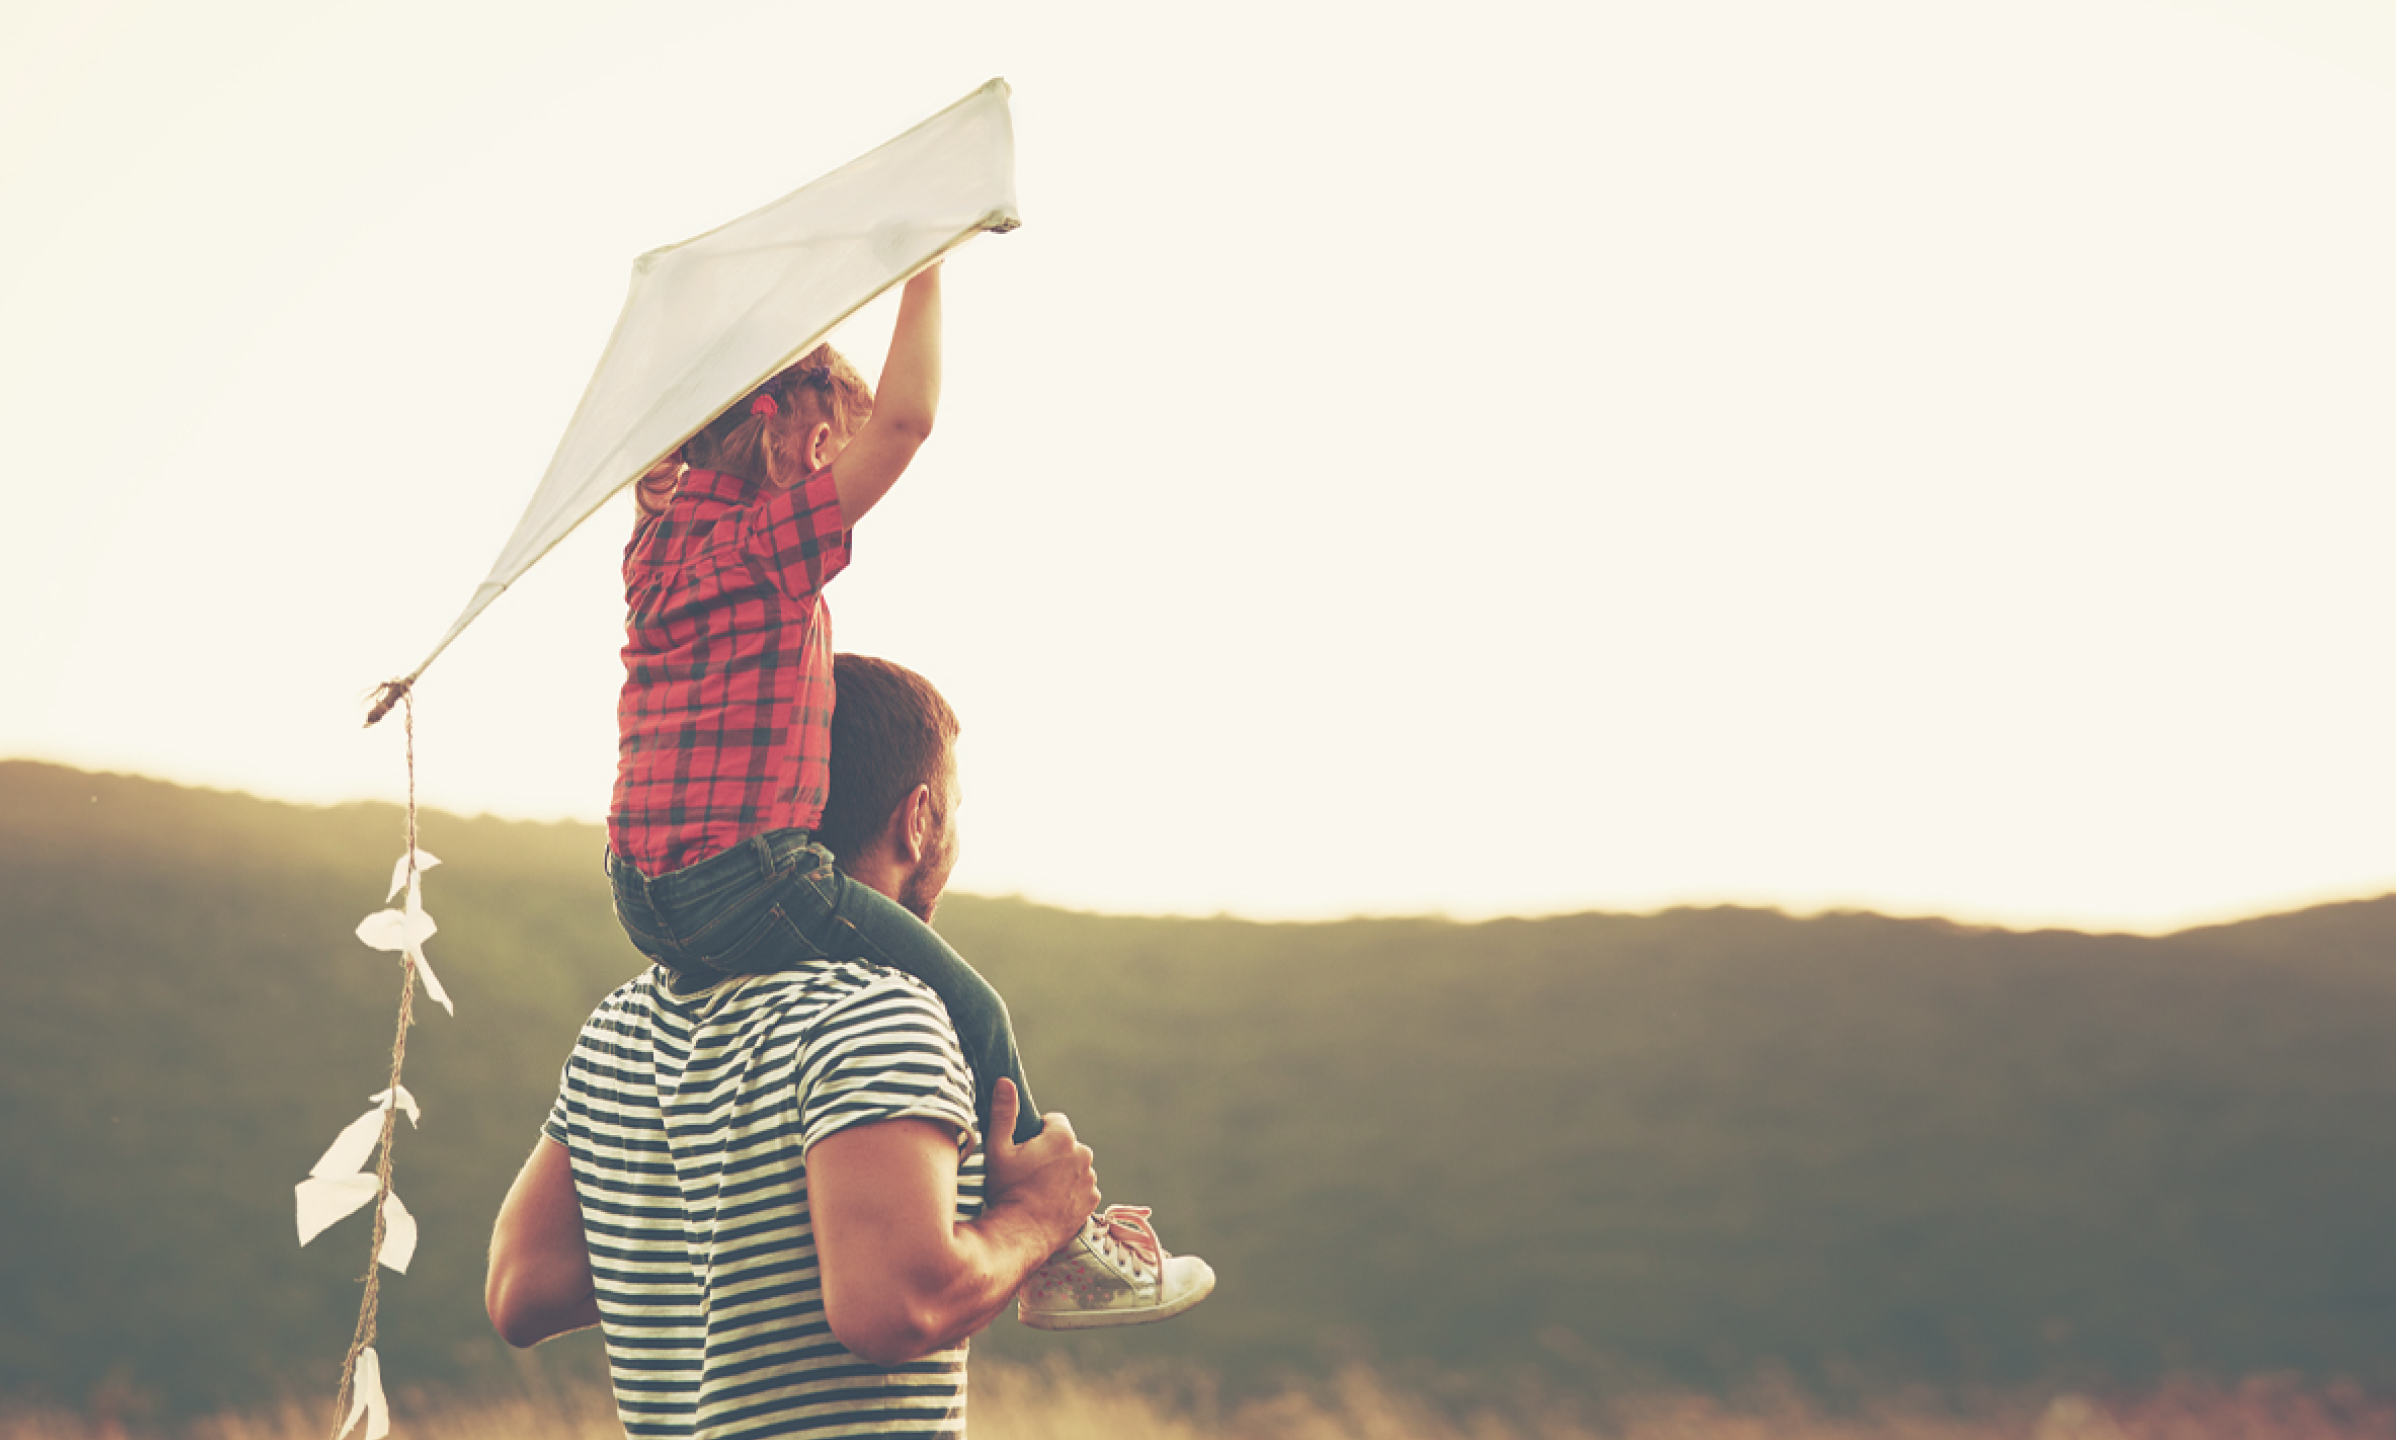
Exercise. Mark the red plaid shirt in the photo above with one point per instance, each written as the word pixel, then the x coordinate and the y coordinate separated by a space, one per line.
pixel 726 716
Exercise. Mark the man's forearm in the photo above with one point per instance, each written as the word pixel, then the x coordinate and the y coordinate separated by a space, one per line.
pixel 1003 1245
pixel 902 1276
pixel 946 1295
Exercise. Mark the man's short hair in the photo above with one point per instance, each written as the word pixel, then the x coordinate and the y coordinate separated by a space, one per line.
pixel 891 731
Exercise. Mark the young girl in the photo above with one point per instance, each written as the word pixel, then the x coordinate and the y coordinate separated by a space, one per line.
pixel 724 726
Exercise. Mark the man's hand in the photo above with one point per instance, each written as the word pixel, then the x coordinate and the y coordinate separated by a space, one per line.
pixel 1052 1177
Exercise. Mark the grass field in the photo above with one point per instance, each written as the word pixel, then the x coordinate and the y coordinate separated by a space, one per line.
pixel 1057 1403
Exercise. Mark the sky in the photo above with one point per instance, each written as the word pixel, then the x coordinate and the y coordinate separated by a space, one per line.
pixel 1503 459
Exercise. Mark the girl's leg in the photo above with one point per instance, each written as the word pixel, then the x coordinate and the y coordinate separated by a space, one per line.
pixel 864 924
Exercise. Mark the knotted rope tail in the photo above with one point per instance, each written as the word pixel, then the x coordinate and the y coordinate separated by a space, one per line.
pixel 386 695
pixel 396 691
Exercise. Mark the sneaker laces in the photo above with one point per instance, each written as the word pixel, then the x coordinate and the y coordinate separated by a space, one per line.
pixel 1122 1232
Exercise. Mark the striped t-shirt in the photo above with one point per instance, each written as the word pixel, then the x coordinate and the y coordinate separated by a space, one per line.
pixel 688 1118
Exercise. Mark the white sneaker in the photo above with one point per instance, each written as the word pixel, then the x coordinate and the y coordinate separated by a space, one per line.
pixel 1114 1273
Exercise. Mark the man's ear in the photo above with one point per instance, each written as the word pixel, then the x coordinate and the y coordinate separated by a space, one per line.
pixel 915 824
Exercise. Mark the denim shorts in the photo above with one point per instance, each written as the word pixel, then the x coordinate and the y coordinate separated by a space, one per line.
pixel 766 904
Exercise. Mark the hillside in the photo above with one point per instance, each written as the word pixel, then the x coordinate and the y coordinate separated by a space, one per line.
pixel 1874 1149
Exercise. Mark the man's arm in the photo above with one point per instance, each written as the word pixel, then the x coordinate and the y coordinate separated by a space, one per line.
pixel 539 1283
pixel 904 403
pixel 902 1278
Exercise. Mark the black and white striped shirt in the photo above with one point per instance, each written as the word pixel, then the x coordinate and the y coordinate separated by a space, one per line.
pixel 688 1118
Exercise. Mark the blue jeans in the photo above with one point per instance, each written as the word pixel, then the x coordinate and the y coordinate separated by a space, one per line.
pixel 775 902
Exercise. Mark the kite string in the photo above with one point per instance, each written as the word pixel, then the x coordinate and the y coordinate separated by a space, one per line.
pixel 365 1333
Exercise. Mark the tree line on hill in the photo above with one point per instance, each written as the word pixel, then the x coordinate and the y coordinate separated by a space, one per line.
pixel 1578 1149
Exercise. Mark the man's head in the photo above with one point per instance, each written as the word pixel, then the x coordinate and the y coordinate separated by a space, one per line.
pixel 890 818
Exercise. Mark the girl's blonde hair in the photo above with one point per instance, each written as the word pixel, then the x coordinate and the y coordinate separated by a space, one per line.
pixel 767 443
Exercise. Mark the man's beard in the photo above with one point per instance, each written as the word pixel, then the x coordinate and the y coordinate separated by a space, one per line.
pixel 921 896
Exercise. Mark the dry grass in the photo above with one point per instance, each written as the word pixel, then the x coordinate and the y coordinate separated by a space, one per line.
pixel 1057 1403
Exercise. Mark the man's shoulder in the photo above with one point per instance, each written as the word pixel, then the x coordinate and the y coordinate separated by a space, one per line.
pixel 851 1000
pixel 878 1045
pixel 825 985
pixel 818 996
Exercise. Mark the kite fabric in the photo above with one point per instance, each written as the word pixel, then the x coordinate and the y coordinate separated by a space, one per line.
pixel 714 317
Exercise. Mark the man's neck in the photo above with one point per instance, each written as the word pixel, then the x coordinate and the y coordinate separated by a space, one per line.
pixel 878 869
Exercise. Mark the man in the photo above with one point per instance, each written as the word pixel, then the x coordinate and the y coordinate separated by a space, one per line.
pixel 766 1190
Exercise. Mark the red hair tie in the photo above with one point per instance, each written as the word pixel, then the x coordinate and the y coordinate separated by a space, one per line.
pixel 764 405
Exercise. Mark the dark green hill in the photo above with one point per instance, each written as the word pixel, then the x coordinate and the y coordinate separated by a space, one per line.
pixel 1690 1141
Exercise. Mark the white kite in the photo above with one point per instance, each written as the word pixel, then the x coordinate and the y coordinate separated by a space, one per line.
pixel 711 319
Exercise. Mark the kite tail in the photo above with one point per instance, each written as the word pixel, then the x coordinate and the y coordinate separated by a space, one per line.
pixel 386 695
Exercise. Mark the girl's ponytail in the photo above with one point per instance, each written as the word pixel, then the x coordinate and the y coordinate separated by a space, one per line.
pixel 762 438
